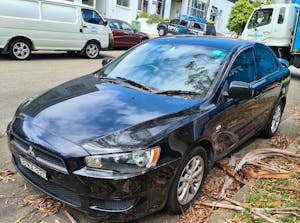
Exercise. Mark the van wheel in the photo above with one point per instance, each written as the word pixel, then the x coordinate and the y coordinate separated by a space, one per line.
pixel 92 50
pixel 20 49
pixel 188 180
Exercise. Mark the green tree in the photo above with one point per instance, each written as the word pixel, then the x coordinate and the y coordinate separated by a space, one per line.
pixel 239 16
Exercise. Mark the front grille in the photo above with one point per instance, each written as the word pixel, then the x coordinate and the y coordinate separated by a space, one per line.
pixel 59 192
pixel 40 155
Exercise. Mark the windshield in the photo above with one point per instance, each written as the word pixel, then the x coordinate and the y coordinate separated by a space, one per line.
pixel 169 66
pixel 260 17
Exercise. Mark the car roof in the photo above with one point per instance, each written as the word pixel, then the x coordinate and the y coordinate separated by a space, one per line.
pixel 227 44
pixel 115 20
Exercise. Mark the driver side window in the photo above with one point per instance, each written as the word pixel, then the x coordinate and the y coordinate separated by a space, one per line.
pixel 243 68
pixel 91 16
pixel 175 22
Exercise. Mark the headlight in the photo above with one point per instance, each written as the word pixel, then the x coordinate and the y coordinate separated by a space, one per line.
pixel 130 162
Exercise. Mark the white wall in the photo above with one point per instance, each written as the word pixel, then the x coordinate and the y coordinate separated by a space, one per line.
pixel 222 19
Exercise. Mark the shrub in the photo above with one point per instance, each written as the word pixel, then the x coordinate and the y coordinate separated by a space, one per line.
pixel 143 15
pixel 154 18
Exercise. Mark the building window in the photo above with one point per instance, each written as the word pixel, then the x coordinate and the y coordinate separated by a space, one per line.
pixel 196 8
pixel 160 7
pixel 124 3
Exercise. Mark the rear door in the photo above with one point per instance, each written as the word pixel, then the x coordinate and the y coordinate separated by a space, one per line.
pixel 268 85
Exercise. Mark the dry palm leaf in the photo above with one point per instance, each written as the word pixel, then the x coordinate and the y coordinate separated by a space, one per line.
pixel 43 204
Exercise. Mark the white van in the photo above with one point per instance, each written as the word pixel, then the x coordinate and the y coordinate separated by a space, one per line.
pixel 27 25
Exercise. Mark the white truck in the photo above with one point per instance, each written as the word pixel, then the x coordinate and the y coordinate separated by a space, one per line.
pixel 28 25
pixel 277 26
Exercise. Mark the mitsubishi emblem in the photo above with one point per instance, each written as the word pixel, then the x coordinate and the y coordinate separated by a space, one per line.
pixel 30 151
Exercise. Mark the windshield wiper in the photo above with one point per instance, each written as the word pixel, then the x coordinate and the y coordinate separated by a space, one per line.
pixel 133 83
pixel 130 82
pixel 177 92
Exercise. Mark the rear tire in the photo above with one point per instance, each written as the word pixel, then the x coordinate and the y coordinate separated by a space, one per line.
pixel 20 49
pixel 92 50
pixel 188 180
pixel 274 121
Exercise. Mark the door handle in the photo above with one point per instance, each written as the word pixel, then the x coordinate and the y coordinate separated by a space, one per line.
pixel 84 26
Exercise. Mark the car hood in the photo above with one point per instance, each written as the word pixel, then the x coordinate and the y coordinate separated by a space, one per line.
pixel 87 108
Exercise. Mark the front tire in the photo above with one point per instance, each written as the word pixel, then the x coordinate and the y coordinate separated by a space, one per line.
pixel 162 31
pixel 188 180
pixel 20 49
pixel 92 50
pixel 274 121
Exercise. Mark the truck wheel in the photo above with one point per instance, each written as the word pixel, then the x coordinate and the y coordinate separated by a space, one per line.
pixel 162 31
pixel 92 50
pixel 188 180
pixel 20 49
pixel 296 61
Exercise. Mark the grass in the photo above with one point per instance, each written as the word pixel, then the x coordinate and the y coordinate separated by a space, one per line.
pixel 272 193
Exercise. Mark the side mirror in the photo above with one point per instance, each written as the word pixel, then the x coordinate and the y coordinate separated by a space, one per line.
pixel 284 62
pixel 105 23
pixel 107 60
pixel 241 90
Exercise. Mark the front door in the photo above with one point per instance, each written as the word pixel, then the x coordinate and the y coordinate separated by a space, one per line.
pixel 236 118
pixel 93 26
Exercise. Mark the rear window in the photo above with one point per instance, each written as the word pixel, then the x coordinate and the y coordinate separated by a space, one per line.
pixel 21 9
pixel 281 15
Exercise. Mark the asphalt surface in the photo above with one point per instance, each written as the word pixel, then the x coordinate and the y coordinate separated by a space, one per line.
pixel 22 79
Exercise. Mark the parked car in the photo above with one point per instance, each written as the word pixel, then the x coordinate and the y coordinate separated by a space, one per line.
pixel 141 133
pixel 124 34
pixel 183 26
pixel 27 26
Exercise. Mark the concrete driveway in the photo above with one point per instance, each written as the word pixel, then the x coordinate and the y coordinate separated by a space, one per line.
pixel 21 79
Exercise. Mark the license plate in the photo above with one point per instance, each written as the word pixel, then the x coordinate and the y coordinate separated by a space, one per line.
pixel 34 168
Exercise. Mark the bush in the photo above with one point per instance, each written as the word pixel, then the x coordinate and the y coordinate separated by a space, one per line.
pixel 154 18
pixel 143 15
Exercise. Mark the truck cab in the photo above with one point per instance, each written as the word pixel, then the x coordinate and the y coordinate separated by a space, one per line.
pixel 273 25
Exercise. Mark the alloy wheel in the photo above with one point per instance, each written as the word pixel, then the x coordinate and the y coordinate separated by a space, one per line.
pixel 92 50
pixel 276 119
pixel 190 180
pixel 21 50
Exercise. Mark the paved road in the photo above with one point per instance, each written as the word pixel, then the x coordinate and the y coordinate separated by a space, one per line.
pixel 21 79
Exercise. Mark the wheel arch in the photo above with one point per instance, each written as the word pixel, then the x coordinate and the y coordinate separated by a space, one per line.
pixel 207 145
pixel 22 37
pixel 92 41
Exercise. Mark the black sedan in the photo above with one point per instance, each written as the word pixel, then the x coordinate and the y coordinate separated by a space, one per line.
pixel 141 134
